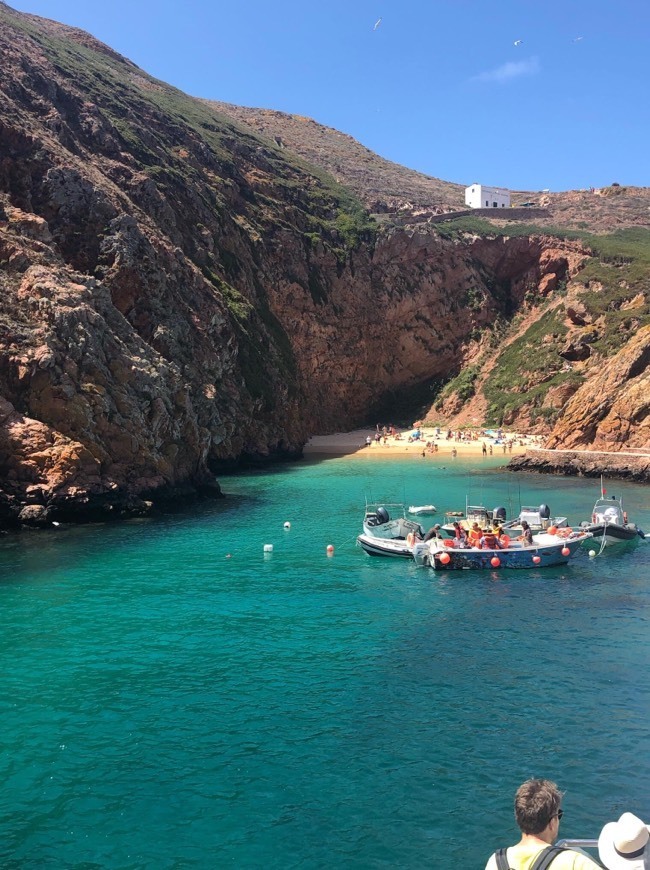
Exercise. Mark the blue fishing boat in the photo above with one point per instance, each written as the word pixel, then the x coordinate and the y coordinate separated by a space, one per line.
pixel 546 550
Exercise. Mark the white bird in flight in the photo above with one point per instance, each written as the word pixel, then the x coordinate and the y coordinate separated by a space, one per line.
pixel 578 38
pixel 518 42
pixel 377 23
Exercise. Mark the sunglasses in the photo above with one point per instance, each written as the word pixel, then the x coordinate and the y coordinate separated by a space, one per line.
pixel 559 815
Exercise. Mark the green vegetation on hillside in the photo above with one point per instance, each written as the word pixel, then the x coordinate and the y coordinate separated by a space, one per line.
pixel 160 127
pixel 526 369
pixel 463 385
pixel 617 272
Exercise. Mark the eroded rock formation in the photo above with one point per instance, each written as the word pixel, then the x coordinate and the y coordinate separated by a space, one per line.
pixel 179 294
pixel 611 411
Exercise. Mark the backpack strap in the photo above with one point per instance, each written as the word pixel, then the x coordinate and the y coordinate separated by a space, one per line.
pixel 546 856
pixel 502 860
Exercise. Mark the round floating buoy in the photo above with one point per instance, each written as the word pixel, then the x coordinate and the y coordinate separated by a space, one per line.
pixel 566 551
pixel 553 530
pixel 592 553
pixel 228 556
pixel 537 560
pixel 495 561
pixel 330 549
pixel 287 525
pixel 445 558
pixel 268 548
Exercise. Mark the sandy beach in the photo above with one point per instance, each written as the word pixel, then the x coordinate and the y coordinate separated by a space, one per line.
pixel 432 442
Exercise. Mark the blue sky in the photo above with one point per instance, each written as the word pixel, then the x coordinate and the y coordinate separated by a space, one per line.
pixel 437 85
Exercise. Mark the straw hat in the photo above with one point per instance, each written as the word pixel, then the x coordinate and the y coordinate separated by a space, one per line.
pixel 623 845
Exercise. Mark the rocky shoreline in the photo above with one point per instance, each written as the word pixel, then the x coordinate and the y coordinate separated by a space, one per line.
pixel 585 463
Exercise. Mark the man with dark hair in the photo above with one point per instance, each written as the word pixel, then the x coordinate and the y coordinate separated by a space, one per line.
pixel 538 812
pixel 434 532
pixel 526 534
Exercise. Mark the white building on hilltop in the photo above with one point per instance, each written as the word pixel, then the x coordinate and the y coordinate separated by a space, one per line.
pixel 480 196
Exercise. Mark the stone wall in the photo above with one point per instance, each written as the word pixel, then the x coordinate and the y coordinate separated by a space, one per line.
pixel 505 214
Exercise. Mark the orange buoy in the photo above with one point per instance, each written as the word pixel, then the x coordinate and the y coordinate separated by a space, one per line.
pixel 495 561
pixel 537 559
pixel 445 558
pixel 566 551
pixel 553 530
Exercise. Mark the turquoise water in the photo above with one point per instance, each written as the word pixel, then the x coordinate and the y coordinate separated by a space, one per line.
pixel 173 697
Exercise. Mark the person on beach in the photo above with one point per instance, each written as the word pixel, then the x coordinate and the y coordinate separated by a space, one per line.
pixel 538 813
pixel 484 449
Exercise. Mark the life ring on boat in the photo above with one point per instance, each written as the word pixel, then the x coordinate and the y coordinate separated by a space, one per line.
pixel 564 533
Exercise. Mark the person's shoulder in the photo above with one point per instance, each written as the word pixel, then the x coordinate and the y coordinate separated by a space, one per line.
pixel 572 860
pixel 492 863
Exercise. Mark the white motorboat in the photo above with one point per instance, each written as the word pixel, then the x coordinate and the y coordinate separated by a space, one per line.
pixel 383 536
pixel 539 519
pixel 609 523
pixel 423 509
pixel 473 514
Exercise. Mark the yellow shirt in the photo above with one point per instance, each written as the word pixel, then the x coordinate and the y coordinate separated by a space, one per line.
pixel 523 857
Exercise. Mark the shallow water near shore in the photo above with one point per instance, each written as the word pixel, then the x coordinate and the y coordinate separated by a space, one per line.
pixel 175 697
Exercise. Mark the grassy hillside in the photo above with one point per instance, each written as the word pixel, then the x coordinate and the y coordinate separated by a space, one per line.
pixel 612 292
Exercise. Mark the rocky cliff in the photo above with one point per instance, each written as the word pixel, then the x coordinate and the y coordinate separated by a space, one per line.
pixel 181 293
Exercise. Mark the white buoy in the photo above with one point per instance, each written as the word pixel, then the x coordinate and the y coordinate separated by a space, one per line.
pixel 592 553
pixel 287 525
pixel 54 523
pixel 330 550
pixel 268 548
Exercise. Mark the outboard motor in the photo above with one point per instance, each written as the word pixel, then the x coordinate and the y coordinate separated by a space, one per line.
pixel 545 512
pixel 382 515
pixel 499 514
pixel 642 534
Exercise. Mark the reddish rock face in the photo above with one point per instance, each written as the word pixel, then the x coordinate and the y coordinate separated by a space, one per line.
pixel 611 411
pixel 179 295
